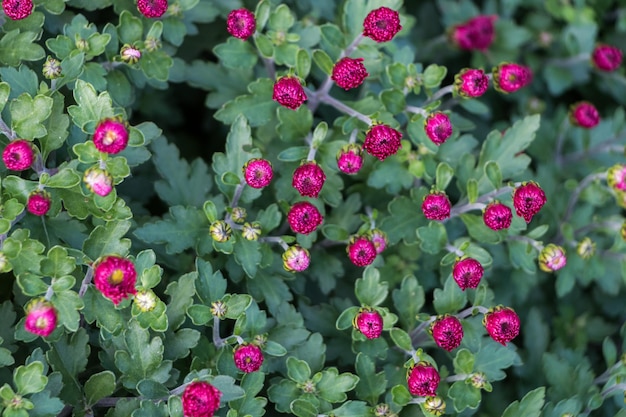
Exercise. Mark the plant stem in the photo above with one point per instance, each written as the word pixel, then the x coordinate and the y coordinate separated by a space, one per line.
pixel 331 101
pixel 217 340
pixel 6 130
pixel 275 239
pixel 416 110
pixel 86 281
pixel 439 93
pixel 458 377
pixel 453 249
pixel 470 311
pixel 576 194
pixel 535 244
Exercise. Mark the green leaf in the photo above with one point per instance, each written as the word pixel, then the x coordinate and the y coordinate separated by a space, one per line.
pixel 252 384
pixel 433 238
pixel 98 386
pixel 449 300
pixel 258 106
pixel 152 390
pixel 180 229
pixel 58 263
pixel 281 19
pixel 434 75
pixel 293 154
pixel 5 90
pixel 352 409
pixel 464 396
pixel 269 287
pixel 107 240
pixel 344 321
pixel 444 175
pixel 28 115
pixel 56 127
pixel 492 358
pixel 298 370
pixel 236 305
pixel 293 125
pixel 236 54
pixel 369 290
pixel 464 362
pixel 493 173
pixel 130 28
pixel 16 47
pixel 408 300
pixel 402 220
pixel 303 63
pixel 530 406
pixel 21 80
pixel 227 387
pixel 100 309
pixel 68 305
pixel 478 230
pixel 30 379
pixel 371 384
pixel 323 61
pixel 181 294
pixel 156 64
pixel 332 386
pixel 210 286
pixel 90 108
pixel 68 356
pixel 401 339
pixel 248 254
pixel 401 395
pixel 303 408
pixel 264 45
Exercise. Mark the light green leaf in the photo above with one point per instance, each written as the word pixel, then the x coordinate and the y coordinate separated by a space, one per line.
pixel 30 379
pixel 28 115
pixel 530 406
pixel 369 290
pixel 98 386
pixel 16 47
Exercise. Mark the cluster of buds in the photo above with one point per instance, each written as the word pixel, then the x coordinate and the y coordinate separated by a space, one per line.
pixel 308 179
pixel 241 23
pixel 584 114
pixel 200 399
pixel 438 127
pixel 467 272
pixel 152 8
pixel 369 322
pixel 248 357
pixel 423 379
pixel 288 92
pixel 382 141
pixel 350 158
pixel 115 277
pixel 477 33
pixel 436 206
pixel 502 324
pixel 382 24
pixel 447 332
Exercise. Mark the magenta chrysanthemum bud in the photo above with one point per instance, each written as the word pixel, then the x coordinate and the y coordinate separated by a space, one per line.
pixel 584 114
pixel 382 24
pixel 248 358
pixel 497 216
pixel 258 173
pixel 606 57
pixel 369 322
pixel 436 206
pixel 438 127
pixel 528 199
pixel 467 272
pixel 17 9
pixel 361 251
pixel 447 332
pixel 552 258
pixel 241 23
pixel 152 8
pixel 423 379
pixel 41 317
pixel 296 259
pixel 304 217
pixel 616 177
pixel 477 33
pixel 98 181
pixel 200 399
pixel 115 277
pixel 502 324
pixel 471 83
pixel 350 158
pixel 378 238
pixel 18 155
pixel 308 179
pixel 349 73
pixel 509 77
pixel 382 141
pixel 288 92
pixel 110 136
pixel 38 203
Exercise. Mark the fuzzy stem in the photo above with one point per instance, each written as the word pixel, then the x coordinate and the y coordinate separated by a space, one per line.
pixel 607 374
pixel 559 141
pixel 569 61
pixel 275 239
pixel 13 222
pixel 49 292
pixel 576 194
pixel 86 281
pixel 331 101
pixel 269 67
pixel 418 335
pixel 312 147
pixel 439 93
pixel 534 243
pixel 416 110
pixel 217 340
pixel 458 377
pixel 7 131
pixel 418 400
pixel 609 145
pixel 456 211
pixel 479 203
pixel 471 311
pixel 353 135
pixel 453 249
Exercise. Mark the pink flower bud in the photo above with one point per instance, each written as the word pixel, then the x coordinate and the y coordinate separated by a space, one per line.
pixel 423 379
pixel 152 8
pixel 296 259
pixel 18 155
pixel 369 322
pixel 497 216
pixel 447 332
pixel 528 199
pixel 509 77
pixel 17 9
pixel 616 177
pixel 130 54
pixel 382 141
pixel 378 238
pixel 436 206
pixel 258 173
pixel 248 358
pixel 200 399
pixel 438 127
pixel 110 136
pixel 349 73
pixel 584 114
pixel 288 92
pixel 477 33
pixel 467 272
pixel 382 24
pixel 471 82
pixel 98 181
pixel 304 217
pixel 308 179
pixel 41 317
pixel 38 203
pixel 502 324
pixel 115 277
pixel 606 57
pixel 241 23
pixel 350 158
pixel 361 251
pixel 552 258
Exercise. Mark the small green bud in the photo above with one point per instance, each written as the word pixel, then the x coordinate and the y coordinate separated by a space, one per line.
pixel 220 231
pixel 251 231
pixel 51 68
pixel 239 214
pixel 435 405
pixel 145 300
pixel 218 309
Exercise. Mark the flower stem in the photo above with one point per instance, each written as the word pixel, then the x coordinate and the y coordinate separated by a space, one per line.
pixel 439 93
pixel 86 281
pixel 416 110
pixel 458 377
pixel 275 239
pixel 7 131
pixel 353 135
pixel 576 194
pixel 471 311
pixel 534 243
pixel 331 101
pixel 453 249
pixel 217 340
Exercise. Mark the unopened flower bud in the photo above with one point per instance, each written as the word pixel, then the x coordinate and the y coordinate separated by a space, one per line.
pixel 145 300
pixel 18 155
pixel 288 92
pixel 509 77
pixel 369 322
pixel 436 206
pixel 378 238
pixel 258 173
pixel 423 379
pixel 251 231
pixel 152 44
pixel 616 177
pixel 308 179
pixel 471 83
pixel 260 340
pixel 361 251
pixel 497 216
pixel 586 248
pixel 200 399
pixel 41 317
pixel 38 203
pixel 552 258
pixel 435 405
pixel 350 158
pixel 152 8
pixel 248 358
pixel 349 73
pixel 220 231
pixel 17 9
pixel 3 261
pixel 238 214
pixel 241 23
pixel 447 332
pixel 98 181
pixel 478 380
pixel 502 324
pixel 381 410
pixel 304 217
pixel 584 114
pixel 219 309
pixel 51 68
pixel 528 199
pixel 606 57
pixel 111 136
pixel 296 259
pixel 381 24
pixel 382 141
pixel 438 127
pixel 130 54
pixel 81 44
pixel 478 33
